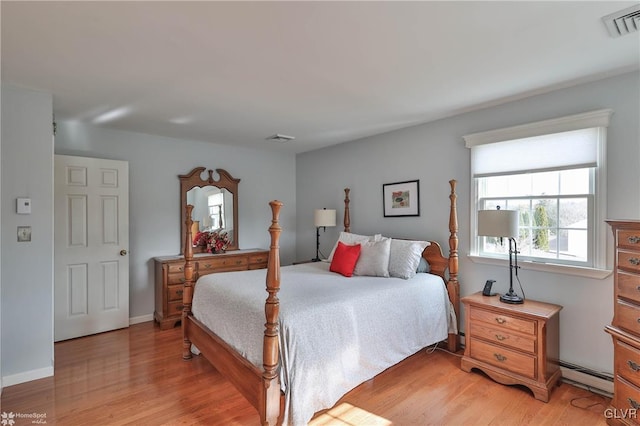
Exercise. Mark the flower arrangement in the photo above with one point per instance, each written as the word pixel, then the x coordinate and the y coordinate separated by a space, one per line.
pixel 212 242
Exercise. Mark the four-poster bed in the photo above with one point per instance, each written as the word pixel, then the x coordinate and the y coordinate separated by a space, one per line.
pixel 262 387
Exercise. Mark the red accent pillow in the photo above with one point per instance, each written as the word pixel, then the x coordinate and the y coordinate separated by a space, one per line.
pixel 345 258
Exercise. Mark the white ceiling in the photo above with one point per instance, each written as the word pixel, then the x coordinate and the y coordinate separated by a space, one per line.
pixel 324 72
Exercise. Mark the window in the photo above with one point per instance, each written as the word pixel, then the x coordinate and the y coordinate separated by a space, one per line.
pixel 553 173
pixel 216 210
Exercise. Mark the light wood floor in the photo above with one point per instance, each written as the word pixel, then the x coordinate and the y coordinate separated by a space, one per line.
pixel 136 376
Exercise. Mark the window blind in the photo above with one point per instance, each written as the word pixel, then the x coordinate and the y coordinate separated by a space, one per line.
pixel 567 150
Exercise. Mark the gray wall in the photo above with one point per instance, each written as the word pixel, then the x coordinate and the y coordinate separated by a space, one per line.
pixel 435 152
pixel 27 267
pixel 154 201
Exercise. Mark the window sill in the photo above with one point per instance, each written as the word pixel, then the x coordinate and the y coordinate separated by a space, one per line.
pixel 555 268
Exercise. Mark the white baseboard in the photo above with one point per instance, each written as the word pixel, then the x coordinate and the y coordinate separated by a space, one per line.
pixel 27 376
pixel 142 318
pixel 587 380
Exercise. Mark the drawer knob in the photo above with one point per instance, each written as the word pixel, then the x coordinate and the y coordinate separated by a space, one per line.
pixel 207 265
pixel 634 261
pixel 500 320
pixel 633 403
pixel 500 357
pixel 179 292
pixel 634 239
pixel 182 280
pixel 238 262
pixel 500 337
pixel 179 307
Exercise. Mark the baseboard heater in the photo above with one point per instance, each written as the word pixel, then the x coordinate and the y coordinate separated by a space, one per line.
pixel 585 378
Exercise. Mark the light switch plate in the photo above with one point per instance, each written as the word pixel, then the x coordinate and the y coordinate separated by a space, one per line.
pixel 24 234
pixel 24 206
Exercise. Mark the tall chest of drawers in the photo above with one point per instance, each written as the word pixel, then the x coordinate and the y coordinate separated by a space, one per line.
pixel 169 278
pixel 625 327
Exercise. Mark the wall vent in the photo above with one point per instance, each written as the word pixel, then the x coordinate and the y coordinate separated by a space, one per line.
pixel 623 22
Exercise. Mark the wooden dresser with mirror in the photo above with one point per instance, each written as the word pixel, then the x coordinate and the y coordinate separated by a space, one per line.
pixel 215 201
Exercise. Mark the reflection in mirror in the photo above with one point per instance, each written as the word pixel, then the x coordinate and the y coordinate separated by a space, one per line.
pixel 212 208
pixel 215 205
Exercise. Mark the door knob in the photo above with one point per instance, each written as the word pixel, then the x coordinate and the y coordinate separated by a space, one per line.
pixel 123 252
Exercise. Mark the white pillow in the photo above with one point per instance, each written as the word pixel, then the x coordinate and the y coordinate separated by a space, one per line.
pixel 374 258
pixel 351 239
pixel 405 257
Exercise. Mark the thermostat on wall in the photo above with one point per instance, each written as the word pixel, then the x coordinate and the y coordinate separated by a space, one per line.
pixel 24 206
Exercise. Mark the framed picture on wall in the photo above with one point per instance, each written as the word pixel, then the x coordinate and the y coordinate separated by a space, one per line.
pixel 401 198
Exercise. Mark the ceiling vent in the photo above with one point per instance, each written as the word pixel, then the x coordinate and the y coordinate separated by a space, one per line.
pixel 280 138
pixel 623 22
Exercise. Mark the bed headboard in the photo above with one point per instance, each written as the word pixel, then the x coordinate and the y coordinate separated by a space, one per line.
pixel 438 263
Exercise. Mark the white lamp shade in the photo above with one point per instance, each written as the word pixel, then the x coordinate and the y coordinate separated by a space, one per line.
pixel 498 223
pixel 324 217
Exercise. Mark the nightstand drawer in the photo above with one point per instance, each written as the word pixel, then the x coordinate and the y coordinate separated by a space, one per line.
pixel 626 396
pixel 502 320
pixel 629 286
pixel 524 365
pixel 503 337
pixel 629 239
pixel 627 362
pixel 627 316
pixel 629 261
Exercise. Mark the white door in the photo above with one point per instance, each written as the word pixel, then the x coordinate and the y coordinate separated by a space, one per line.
pixel 91 243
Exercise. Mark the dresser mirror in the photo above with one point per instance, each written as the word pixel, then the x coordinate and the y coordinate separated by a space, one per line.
pixel 215 204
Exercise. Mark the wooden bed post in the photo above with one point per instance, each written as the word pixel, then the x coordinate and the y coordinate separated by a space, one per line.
pixel 347 217
pixel 453 286
pixel 187 292
pixel 270 400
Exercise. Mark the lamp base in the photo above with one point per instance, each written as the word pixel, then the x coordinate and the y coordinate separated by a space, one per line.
pixel 512 298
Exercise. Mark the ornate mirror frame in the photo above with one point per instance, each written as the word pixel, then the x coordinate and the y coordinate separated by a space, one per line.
pixel 193 179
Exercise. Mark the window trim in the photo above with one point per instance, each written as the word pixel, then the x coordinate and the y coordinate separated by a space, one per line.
pixel 594 119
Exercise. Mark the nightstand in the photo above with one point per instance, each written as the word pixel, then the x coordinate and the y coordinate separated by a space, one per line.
pixel 513 344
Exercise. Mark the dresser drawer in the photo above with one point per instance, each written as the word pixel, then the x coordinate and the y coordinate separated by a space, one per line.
pixel 175 267
pixel 524 365
pixel 210 265
pixel 503 337
pixel 501 320
pixel 174 292
pixel 629 286
pixel 174 308
pixel 627 317
pixel 258 258
pixel 175 279
pixel 626 396
pixel 629 239
pixel 629 260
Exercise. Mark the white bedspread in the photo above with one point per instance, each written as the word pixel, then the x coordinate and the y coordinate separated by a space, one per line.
pixel 335 332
